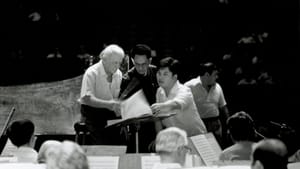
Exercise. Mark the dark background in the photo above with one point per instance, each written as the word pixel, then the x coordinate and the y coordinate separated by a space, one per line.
pixel 192 32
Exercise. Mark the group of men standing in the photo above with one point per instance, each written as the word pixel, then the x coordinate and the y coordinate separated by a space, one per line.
pixel 199 104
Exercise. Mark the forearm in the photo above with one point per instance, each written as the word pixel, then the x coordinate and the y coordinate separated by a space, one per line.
pixel 224 115
pixel 224 112
pixel 98 103
pixel 172 105
pixel 165 107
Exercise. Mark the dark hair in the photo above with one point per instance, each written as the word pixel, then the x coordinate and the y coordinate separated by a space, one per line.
pixel 290 138
pixel 20 132
pixel 208 67
pixel 141 49
pixel 269 159
pixel 270 154
pixel 241 126
pixel 170 63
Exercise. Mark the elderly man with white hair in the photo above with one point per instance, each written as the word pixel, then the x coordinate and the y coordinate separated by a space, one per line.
pixel 69 155
pixel 172 147
pixel 48 150
pixel 99 95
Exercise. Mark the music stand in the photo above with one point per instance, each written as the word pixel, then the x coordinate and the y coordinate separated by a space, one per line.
pixel 136 122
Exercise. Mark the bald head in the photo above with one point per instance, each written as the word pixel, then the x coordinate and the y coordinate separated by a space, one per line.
pixel 270 153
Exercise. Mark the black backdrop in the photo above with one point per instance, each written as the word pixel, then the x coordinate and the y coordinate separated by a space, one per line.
pixel 190 31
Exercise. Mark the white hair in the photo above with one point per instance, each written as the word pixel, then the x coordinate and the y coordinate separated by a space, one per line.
pixel 48 149
pixel 110 50
pixel 170 139
pixel 70 156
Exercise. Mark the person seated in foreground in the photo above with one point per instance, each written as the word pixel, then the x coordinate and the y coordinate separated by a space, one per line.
pixel 290 137
pixel 69 156
pixel 21 134
pixel 47 150
pixel 171 145
pixel 269 154
pixel 241 130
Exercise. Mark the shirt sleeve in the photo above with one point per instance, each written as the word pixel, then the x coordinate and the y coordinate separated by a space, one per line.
pixel 222 101
pixel 183 97
pixel 87 87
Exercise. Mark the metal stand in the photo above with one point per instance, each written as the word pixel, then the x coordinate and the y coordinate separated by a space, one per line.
pixel 137 127
pixel 135 123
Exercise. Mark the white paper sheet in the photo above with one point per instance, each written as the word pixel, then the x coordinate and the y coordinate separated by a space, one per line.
pixel 22 166
pixel 214 144
pixel 148 161
pixel 103 162
pixel 135 106
pixel 205 149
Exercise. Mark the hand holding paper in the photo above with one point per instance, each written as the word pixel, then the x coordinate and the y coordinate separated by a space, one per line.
pixel 135 106
pixel 116 107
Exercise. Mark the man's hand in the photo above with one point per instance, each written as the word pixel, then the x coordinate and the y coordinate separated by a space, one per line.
pixel 116 107
pixel 160 108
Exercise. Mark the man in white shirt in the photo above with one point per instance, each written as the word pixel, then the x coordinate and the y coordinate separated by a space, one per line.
pixel 21 134
pixel 173 97
pixel 99 94
pixel 210 100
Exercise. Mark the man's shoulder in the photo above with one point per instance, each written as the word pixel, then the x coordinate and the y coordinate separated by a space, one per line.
pixel 152 69
pixel 130 73
pixel 192 82
pixel 218 86
pixel 92 69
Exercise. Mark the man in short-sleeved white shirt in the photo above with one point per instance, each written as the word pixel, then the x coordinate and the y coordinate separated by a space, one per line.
pixel 207 102
pixel 99 93
pixel 173 97
pixel 209 99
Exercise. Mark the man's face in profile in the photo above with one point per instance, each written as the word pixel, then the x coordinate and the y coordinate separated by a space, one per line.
pixel 141 64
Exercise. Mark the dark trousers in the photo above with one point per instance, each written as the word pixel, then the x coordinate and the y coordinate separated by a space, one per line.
pixel 96 121
pixel 214 125
pixel 146 137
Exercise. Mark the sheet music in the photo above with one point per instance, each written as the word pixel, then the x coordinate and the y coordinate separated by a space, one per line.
pixel 114 121
pixel 8 159
pixel 135 106
pixel 213 142
pixel 104 150
pixel 204 167
pixel 22 166
pixel 234 163
pixel 148 161
pixel 235 167
pixel 103 162
pixel 205 149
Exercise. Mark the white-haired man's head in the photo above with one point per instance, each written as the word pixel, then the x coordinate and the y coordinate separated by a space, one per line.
pixel 48 149
pixel 112 57
pixel 172 145
pixel 69 156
